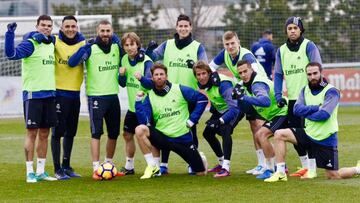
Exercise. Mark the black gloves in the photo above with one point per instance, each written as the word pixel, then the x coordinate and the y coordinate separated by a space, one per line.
pixel 152 45
pixel 215 78
pixel 238 91
pixel 11 27
pixel 213 123
pixel 281 103
pixel 40 37
pixel 190 63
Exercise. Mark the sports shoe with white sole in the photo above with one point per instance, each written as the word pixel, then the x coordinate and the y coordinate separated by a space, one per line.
pixel 45 176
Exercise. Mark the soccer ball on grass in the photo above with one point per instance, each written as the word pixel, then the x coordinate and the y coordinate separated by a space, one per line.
pixel 107 171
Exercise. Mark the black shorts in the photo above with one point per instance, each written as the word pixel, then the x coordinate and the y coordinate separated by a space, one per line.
pixel 40 113
pixel 67 111
pixel 130 122
pixel 186 150
pixel 294 121
pixel 278 122
pixel 326 156
pixel 108 109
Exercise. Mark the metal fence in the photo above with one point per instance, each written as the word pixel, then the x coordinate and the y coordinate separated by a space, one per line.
pixel 332 24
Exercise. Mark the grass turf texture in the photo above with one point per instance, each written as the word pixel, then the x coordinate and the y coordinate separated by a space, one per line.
pixel 178 186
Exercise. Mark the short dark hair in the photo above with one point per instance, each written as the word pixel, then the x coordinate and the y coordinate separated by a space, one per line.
pixel 267 32
pixel 43 17
pixel 104 22
pixel 314 64
pixel 158 66
pixel 183 17
pixel 69 18
pixel 242 62
pixel 202 65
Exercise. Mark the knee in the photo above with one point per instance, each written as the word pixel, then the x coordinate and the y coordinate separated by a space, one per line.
pixel 140 131
pixel 128 137
pixel 278 135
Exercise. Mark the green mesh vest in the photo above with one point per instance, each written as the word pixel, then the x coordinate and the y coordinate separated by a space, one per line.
pixel 170 112
pixel 268 112
pixel 132 84
pixel 320 130
pixel 233 68
pixel 102 71
pixel 175 61
pixel 293 64
pixel 217 101
pixel 38 70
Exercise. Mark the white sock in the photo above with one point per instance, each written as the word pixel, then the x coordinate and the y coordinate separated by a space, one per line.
pixel 157 161
pixel 280 167
pixel 96 165
pixel 261 157
pixel 164 164
pixel 221 160
pixel 149 159
pixel 304 161
pixel 129 163
pixel 357 169
pixel 29 167
pixel 40 166
pixel 109 160
pixel 312 165
pixel 226 165
pixel 272 163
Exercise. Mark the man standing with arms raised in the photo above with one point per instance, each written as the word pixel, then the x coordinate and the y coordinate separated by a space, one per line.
pixel 38 76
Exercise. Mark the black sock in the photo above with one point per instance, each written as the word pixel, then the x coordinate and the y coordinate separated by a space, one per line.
pixel 67 146
pixel 55 149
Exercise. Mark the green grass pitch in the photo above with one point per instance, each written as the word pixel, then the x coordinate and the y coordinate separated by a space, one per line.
pixel 178 186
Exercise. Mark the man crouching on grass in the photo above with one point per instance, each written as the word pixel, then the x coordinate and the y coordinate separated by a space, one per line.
pixel 318 103
pixel 165 122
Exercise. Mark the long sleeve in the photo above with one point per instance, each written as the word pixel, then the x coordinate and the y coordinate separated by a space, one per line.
pixel 332 98
pixel 80 56
pixel 197 98
pixel 278 76
pixel 201 54
pixel 217 61
pixel 158 53
pixel 143 111
pixel 23 50
pixel 146 81
pixel 301 109
pixel 261 92
pixel 313 53
pixel 225 91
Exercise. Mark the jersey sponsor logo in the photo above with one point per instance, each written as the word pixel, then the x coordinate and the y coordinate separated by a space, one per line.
pixel 108 66
pixel 63 61
pixel 132 83
pixel 50 61
pixel 169 113
pixel 179 63
pixel 294 70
